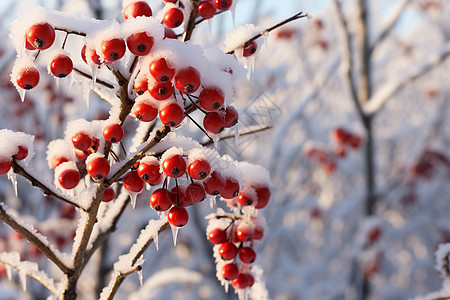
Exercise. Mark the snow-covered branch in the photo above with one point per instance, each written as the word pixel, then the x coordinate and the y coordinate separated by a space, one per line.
pixel 12 259
pixel 29 232
pixel 379 99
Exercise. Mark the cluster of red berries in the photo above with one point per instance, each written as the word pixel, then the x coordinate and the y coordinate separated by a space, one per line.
pixel 233 249
pixel 427 163
pixel 18 149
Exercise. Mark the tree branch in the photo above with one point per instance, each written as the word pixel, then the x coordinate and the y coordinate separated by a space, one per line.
pixel 46 248
pixel 191 22
pixel 243 133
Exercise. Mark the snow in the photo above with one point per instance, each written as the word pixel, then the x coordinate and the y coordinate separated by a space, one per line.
pixel 236 38
pixel 91 128
pixel 144 24
pixel 59 147
pixel 12 140
pixel 62 167
pixel 20 64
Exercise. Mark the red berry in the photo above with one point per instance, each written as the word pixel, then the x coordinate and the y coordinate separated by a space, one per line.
pixel 211 99
pixel 247 197
pixel 145 112
pixel 132 182
pixel 241 282
pixel 228 251
pixel 195 193
pixel 140 43
pixel 29 46
pixel 113 133
pixel 98 168
pixel 374 234
pixel 245 232
pixel 250 49
pixel 178 216
pixel 174 166
pixel 169 33
pixel 340 151
pixel 199 169
pixel 22 153
pixel 172 114
pixel 340 135
pixel 80 154
pixel 173 17
pixel 5 165
pixel 354 141
pixel 161 200
pixel 230 271
pixel 113 49
pixel 251 279
pixel 108 195
pixel 141 85
pixel 329 167
pixel 161 71
pixel 137 9
pixel 27 78
pixel 214 122
pixel 69 178
pixel 61 66
pixel 170 1
pixel 214 184
pixel 231 116
pixel 95 58
pixel 161 90
pixel 187 80
pixel 231 189
pixel 179 196
pixel 57 160
pixel 217 236
pixel 81 141
pixel 206 9
pixel 263 193
pixel 247 255
pixel 149 171
pixel 223 4
pixel 259 232
pixel 41 35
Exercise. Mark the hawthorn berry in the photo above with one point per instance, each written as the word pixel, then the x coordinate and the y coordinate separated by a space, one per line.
pixel 161 200
pixel 171 115
pixel 340 135
pixel 161 71
pixel 223 4
pixel 69 178
pixel 199 169
pixel 113 133
pixel 251 279
pixel 161 90
pixel 149 171
pixel 113 49
pixel 29 46
pixel 259 232
pixel 140 43
pixel 141 85
pixel 93 56
pixel 211 99
pixel 169 33
pixel 214 122
pixel 61 66
pixel 250 49
pixel 230 271
pixel 174 166
pixel 41 36
pixel 245 232
pixel 170 1
pixel 247 255
pixel 108 195
pixel 263 194
pixel 82 154
pixel 187 80
pixel 145 112
pixel 98 168
pixel 195 193
pixel 27 78
pixel 228 251
pixel 132 182
pixel 214 184
pixel 57 160
pixel 231 188
pixel 231 116
pixel 241 282
pixel 81 141
pixel 247 197
pixel 179 196
pixel 137 9
pixel 22 153
pixel 173 17
pixel 217 236
pixel 178 216
pixel 354 141
pixel 5 165
pixel 206 9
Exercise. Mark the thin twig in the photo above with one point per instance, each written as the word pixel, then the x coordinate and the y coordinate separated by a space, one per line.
pixel 254 131
pixel 71 31
pixel 293 18
pixel 191 21
pixel 199 127
pixel 101 82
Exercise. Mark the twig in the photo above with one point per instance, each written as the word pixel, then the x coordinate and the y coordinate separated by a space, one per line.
pixel 264 128
pixel 33 239
pixel 293 18
pixel 71 31
pixel 18 169
pixel 191 22
pixel 199 127
pixel 101 82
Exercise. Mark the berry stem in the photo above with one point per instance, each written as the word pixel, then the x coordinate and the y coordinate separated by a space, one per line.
pixel 193 103
pixel 200 127
pixel 123 148
pixel 178 198
pixel 65 40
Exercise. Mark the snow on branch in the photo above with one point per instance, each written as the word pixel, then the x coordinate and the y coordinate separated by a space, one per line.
pixel 12 219
pixel 379 99
pixel 12 259
pixel 131 262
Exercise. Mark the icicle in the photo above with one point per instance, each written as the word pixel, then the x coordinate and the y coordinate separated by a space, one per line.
pixel 8 272
pixel 236 136
pixel 141 277
pixel 148 187
pixel 249 64
pixel 57 81
pixel 86 92
pixel 209 21
pixel 23 279
pixel 160 213
pixel 94 76
pixel 241 294
pixel 174 233
pixel 22 94
pixel 133 197
pixel 246 294
pixel 212 201
pixel 156 241
pixel 233 14
pixel 226 286
pixel 12 176
pixel 216 139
